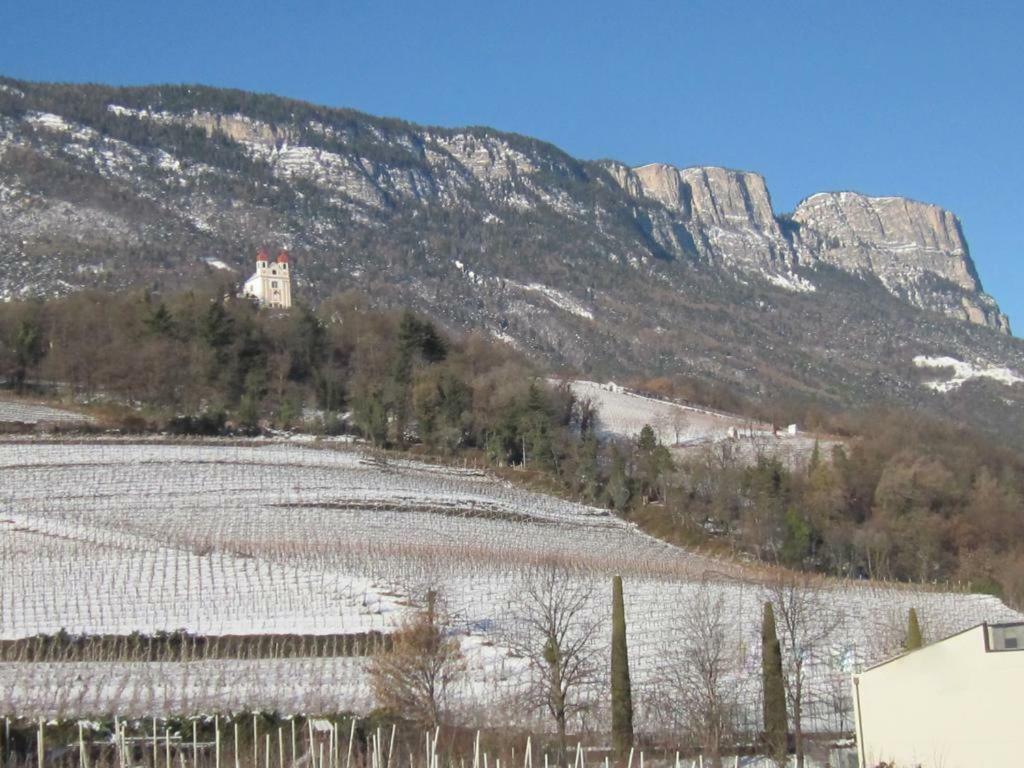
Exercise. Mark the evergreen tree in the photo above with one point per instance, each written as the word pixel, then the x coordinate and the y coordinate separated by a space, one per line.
pixel 773 689
pixel 815 461
pixel 647 441
pixel 216 326
pixel 248 413
pixel 246 361
pixel 653 462
pixel 622 697
pixel 796 544
pixel 588 468
pixel 914 639
pixel 618 487
pixel 28 349
pixel 307 343
pixel 418 343
pixel 503 443
pixel 442 404
pixel 250 403
pixel 537 428
pixel 766 490
pixel 159 322
pixel 370 414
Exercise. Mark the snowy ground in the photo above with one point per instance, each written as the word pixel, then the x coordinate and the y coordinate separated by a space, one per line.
pixel 624 413
pixel 114 537
pixel 690 429
pixel 964 372
pixel 26 412
pixel 64 691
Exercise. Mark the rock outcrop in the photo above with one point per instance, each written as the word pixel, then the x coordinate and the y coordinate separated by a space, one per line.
pixel 728 213
pixel 916 250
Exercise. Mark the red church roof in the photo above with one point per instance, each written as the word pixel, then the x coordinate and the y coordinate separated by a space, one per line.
pixel 262 255
pixel 282 257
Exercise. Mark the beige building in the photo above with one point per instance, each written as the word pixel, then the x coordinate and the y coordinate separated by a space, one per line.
pixel 956 703
pixel 272 283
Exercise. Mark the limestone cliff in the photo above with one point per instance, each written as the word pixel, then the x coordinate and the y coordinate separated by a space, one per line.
pixel 728 213
pixel 916 250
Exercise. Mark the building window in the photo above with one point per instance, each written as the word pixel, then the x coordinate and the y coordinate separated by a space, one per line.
pixel 1006 637
pixel 273 283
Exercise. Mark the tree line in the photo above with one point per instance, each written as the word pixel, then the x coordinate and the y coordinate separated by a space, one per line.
pixel 201 361
pixel 559 633
pixel 902 498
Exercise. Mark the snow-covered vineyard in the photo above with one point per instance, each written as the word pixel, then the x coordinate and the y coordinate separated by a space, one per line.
pixel 688 429
pixel 24 412
pixel 624 413
pixel 110 538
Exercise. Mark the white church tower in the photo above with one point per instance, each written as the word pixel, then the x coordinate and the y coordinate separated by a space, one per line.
pixel 272 283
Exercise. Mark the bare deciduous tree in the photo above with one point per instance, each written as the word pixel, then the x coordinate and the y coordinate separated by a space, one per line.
pixel 558 630
pixel 414 677
pixel 699 664
pixel 807 623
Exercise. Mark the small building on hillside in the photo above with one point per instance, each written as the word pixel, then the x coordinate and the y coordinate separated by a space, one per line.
pixel 957 703
pixel 272 283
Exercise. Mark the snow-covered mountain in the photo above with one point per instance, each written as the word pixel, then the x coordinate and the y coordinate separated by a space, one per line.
pixel 603 268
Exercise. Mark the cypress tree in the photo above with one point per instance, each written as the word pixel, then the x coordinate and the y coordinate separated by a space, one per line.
pixel 914 640
pixel 815 457
pixel 773 689
pixel 622 697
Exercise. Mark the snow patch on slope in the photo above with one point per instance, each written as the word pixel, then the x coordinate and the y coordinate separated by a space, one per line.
pixel 964 372
pixel 561 300
pixel 53 122
pixel 792 282
pixel 512 341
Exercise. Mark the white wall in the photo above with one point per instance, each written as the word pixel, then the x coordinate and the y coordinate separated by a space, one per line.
pixel 947 705
pixel 260 285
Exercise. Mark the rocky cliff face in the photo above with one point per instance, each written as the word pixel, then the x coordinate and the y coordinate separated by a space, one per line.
pixel 916 250
pixel 728 213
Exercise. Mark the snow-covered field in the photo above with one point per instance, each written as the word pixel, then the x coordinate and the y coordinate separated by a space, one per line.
pixel 26 412
pixel 66 690
pixel 624 413
pixel 688 428
pixel 115 537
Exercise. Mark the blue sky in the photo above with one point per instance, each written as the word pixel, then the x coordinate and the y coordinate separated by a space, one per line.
pixel 922 99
